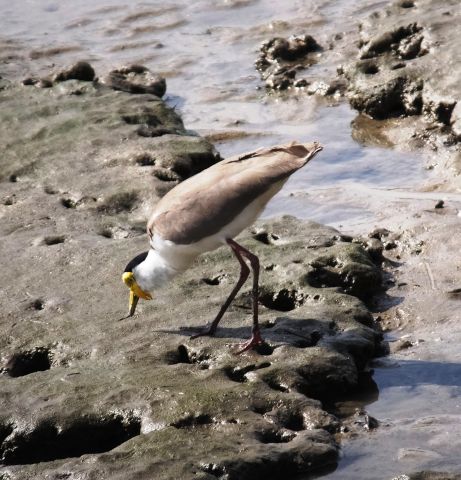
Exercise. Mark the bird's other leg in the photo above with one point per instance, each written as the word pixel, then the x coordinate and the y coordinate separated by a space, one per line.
pixel 244 272
pixel 256 338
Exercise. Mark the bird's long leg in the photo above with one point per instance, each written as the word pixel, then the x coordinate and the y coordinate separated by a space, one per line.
pixel 244 272
pixel 256 338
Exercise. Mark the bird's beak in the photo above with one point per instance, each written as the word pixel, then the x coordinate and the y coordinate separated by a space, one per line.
pixel 135 292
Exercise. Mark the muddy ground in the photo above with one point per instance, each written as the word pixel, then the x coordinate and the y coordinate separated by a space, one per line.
pixel 80 380
pixel 86 393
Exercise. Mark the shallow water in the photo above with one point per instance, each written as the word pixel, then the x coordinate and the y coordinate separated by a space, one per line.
pixel 206 49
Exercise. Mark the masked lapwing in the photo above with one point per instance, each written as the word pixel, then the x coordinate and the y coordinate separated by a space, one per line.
pixel 207 211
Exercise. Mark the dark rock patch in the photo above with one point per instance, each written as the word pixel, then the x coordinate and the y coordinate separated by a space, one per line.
pixel 136 79
pixel 79 71
pixel 50 441
pixel 29 361
pixel 280 59
pixel 396 97
pixel 389 40
pixel 354 272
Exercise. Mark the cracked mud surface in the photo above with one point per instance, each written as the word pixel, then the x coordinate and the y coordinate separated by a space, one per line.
pixel 85 391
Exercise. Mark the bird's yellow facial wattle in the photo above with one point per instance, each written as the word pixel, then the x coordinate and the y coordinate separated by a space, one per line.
pixel 135 291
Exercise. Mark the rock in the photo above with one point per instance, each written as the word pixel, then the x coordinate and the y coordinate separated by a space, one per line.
pixel 392 41
pixel 429 475
pixel 280 59
pixel 396 97
pixel 282 49
pixel 348 266
pixel 135 79
pixel 405 70
pixel 79 71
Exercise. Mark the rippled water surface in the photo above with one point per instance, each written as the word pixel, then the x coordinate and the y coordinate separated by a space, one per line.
pixel 207 49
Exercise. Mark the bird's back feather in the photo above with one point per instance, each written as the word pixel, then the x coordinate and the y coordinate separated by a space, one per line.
pixel 203 204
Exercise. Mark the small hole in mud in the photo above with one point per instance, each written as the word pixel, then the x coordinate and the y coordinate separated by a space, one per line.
pixel 237 374
pixel 106 233
pixel 68 203
pixel 266 237
pixel 184 355
pixel 271 436
pixel 193 421
pixel 261 408
pixel 29 361
pixel 38 304
pixel 181 355
pixel 85 435
pixel 371 69
pixel 294 421
pixel 213 280
pixel 283 300
pixel 144 160
pixel 270 267
pixel 166 175
pixel 13 178
pixel 50 190
pixel 275 384
pixel 54 239
pixel 9 201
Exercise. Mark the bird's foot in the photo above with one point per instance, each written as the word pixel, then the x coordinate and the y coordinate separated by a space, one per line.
pixel 206 332
pixel 255 341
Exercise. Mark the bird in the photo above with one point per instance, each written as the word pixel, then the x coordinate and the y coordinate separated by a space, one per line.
pixel 207 211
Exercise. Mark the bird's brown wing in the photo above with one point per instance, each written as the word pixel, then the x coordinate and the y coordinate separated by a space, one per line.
pixel 202 205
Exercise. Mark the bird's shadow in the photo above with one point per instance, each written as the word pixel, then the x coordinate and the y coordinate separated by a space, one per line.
pixel 282 330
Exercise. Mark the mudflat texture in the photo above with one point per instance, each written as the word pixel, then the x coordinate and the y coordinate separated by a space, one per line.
pixel 86 392
pixel 401 62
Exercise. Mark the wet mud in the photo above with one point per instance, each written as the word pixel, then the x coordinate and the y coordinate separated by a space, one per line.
pixel 90 147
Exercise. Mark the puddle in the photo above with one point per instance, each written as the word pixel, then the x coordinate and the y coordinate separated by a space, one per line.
pixel 419 410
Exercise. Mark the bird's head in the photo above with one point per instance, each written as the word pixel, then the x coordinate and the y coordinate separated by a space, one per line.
pixel 129 278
